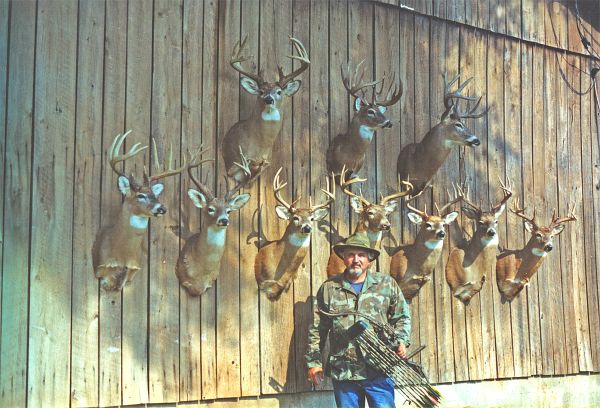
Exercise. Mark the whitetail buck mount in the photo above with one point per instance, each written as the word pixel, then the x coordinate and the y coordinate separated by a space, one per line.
pixel 349 149
pixel 418 162
pixel 469 264
pixel 372 218
pixel 120 247
pixel 412 265
pixel 254 137
pixel 514 268
pixel 199 261
pixel 277 263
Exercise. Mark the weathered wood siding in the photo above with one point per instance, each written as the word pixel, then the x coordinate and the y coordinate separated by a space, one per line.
pixel 73 74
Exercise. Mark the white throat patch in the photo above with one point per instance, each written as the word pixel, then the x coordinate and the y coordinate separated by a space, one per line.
pixel 374 236
pixel 434 244
pixel 216 236
pixel 490 241
pixel 366 132
pixel 270 114
pixel 539 252
pixel 138 222
pixel 299 240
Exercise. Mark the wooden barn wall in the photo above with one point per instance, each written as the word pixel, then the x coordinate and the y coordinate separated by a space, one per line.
pixel 73 74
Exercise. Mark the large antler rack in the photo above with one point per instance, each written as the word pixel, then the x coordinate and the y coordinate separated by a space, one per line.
pixel 520 212
pixel 329 193
pixel 302 57
pixel 391 96
pixel 400 193
pixel 556 220
pixel 353 81
pixel 506 193
pixel 459 195
pixel 237 57
pixel 195 161
pixel 170 171
pixel 277 187
pixel 451 97
pixel 345 184
pixel 115 148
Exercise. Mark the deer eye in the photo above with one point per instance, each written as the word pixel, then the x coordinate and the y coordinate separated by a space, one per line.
pixel 538 235
pixel 459 125
pixel 228 210
pixel 370 213
pixel 279 92
pixel 371 111
pixel 429 226
pixel 211 210
pixel 141 197
pixel 296 219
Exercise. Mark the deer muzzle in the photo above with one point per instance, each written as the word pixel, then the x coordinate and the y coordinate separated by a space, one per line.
pixel 473 141
pixel 222 222
pixel 441 234
pixel 306 229
pixel 548 247
pixel 387 124
pixel 269 100
pixel 159 210
pixel 491 232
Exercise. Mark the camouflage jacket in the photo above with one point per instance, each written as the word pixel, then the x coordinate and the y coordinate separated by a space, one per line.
pixel 380 298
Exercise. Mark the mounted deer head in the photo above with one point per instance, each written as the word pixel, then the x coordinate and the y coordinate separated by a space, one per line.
pixel 276 264
pixel 467 266
pixel 348 149
pixel 118 248
pixel 412 265
pixel 514 268
pixel 372 218
pixel 418 162
pixel 256 135
pixel 199 262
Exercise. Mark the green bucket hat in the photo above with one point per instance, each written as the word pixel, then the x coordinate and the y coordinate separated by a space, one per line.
pixel 360 241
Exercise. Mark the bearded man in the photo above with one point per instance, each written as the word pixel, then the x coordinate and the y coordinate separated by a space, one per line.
pixel 360 290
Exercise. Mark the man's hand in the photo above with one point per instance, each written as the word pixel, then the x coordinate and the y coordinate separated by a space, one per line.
pixel 315 375
pixel 401 351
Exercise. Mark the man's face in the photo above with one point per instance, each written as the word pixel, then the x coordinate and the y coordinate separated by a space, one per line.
pixel 357 261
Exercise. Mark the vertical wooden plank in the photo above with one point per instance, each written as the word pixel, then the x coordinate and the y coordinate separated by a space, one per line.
pixel 166 131
pixel 455 11
pixel 431 358
pixel 534 184
pixel 52 205
pixel 555 25
pixel 249 312
pixel 498 16
pixel 590 211
pixel 514 169
pixel 533 13
pixel 302 158
pixel 319 107
pixel 513 18
pixel 439 8
pixel 277 317
pixel 387 144
pixel 568 167
pixel 86 205
pixel 472 163
pixel 496 168
pixel 210 75
pixel 4 45
pixel 137 117
pixel 18 134
pixel 227 300
pixel 113 123
pixel 574 41
pixel 523 305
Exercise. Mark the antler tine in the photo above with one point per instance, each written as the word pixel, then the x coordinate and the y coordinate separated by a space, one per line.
pixel 449 96
pixel 471 112
pixel 193 162
pixel 352 82
pixel 459 195
pixel 344 184
pixel 417 211
pixel 302 57
pixel 464 196
pixel 560 220
pixel 521 212
pixel 400 193
pixel 329 192
pixel 237 58
pixel 170 170
pixel 277 187
pixel 115 148
pixel 506 190
pixel 391 97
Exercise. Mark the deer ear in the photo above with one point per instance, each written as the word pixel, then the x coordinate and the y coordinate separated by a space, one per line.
pixel 157 189
pixel 499 211
pixel 239 201
pixel 250 86
pixel 357 104
pixel 124 186
pixel 292 87
pixel 528 226
pixel 381 109
pixel 415 218
pixel 558 229
pixel 356 204
pixel 197 198
pixel 282 212
pixel 450 217
pixel 320 214
pixel 391 206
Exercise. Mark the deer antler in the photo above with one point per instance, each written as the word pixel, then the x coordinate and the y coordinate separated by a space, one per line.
pixel 507 192
pixel 451 96
pixel 345 184
pixel 245 166
pixel 400 193
pixel 460 191
pixel 302 57
pixel 353 81
pixel 170 170
pixel 237 58
pixel 391 97
pixel 115 148
pixel 556 221
pixel 459 195
pixel 329 192
pixel 195 162
pixel 521 212
pixel 277 187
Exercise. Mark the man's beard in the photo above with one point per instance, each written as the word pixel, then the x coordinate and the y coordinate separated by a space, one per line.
pixel 354 272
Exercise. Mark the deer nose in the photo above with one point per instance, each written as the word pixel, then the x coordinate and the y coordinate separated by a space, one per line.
pixel 222 222
pixel 473 141
pixel 491 232
pixel 548 247
pixel 306 229
pixel 269 100
pixel 387 124
pixel 386 227
pixel 441 234
pixel 161 210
